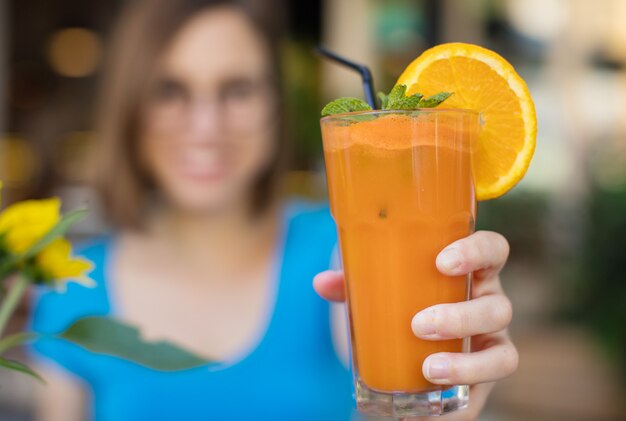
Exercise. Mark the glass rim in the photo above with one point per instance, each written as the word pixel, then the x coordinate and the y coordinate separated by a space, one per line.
pixel 404 112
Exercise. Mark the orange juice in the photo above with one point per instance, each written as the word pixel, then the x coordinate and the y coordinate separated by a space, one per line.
pixel 400 188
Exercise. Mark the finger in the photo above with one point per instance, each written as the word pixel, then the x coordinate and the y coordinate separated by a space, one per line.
pixel 329 285
pixel 491 364
pixel 487 314
pixel 483 252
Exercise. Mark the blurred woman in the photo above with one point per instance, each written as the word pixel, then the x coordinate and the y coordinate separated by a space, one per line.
pixel 203 252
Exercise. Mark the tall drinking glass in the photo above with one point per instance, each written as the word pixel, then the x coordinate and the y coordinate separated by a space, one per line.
pixel 400 187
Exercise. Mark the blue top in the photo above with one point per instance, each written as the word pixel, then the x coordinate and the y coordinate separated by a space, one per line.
pixel 292 374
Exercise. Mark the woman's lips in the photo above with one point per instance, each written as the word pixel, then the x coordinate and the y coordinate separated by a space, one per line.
pixel 202 165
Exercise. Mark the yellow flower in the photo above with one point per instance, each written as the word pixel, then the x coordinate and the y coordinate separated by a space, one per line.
pixel 24 223
pixel 56 262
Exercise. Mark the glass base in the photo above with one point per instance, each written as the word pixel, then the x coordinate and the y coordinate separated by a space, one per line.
pixel 398 404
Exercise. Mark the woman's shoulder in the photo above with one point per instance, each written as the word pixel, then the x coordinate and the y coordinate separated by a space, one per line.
pixel 94 248
pixel 308 210
pixel 310 227
pixel 308 217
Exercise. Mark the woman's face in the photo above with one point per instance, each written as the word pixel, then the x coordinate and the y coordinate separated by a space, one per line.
pixel 207 128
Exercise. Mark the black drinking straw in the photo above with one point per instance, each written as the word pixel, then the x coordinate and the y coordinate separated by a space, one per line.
pixel 364 71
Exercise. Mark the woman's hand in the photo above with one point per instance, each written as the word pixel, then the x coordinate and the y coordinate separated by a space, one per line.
pixel 485 317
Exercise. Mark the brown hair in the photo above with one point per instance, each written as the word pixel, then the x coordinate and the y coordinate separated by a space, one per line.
pixel 143 30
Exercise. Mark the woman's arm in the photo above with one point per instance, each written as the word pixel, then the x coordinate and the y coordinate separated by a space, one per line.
pixel 485 318
pixel 62 398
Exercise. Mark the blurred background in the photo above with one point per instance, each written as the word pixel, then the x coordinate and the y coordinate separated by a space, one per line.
pixel 566 221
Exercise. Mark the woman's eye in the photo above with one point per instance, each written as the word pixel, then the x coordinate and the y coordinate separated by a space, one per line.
pixel 238 90
pixel 167 90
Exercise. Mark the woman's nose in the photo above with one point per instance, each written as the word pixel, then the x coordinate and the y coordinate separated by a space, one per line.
pixel 206 122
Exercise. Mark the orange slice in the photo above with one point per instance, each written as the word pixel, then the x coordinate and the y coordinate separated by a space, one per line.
pixel 485 82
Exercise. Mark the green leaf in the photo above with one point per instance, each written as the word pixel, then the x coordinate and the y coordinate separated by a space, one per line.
pixel 384 100
pixel 435 100
pixel 108 336
pixel 18 366
pixel 345 105
pixel 56 231
pixel 16 339
pixel 398 100
pixel 396 94
pixel 408 103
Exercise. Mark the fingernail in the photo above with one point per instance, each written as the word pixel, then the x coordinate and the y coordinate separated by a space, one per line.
pixel 438 368
pixel 424 322
pixel 449 259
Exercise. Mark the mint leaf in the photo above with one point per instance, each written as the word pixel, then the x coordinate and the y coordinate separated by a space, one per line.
pixel 345 105
pixel 397 93
pixel 384 100
pixel 434 100
pixel 408 103
pixel 398 100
